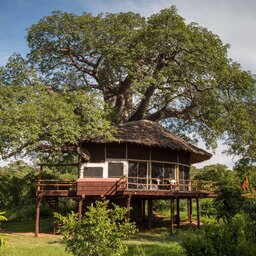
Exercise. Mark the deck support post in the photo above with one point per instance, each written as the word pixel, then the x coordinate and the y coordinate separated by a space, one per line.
pixel 198 212
pixel 149 213
pixel 37 227
pixel 129 206
pixel 143 210
pixel 56 209
pixel 80 208
pixel 189 208
pixel 172 215
pixel 178 212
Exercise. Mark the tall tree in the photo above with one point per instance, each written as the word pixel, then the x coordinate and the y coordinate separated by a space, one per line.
pixel 157 68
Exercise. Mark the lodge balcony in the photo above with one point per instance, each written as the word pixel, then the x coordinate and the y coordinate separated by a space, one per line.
pixel 125 186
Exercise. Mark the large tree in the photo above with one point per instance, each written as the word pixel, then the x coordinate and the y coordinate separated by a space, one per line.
pixel 158 68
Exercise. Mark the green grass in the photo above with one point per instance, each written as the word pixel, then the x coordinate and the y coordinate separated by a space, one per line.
pixel 24 245
pixel 26 226
pixel 157 243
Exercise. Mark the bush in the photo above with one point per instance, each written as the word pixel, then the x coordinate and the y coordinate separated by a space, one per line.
pixel 101 232
pixel 207 208
pixel 235 238
pixel 2 218
pixel 196 244
pixel 230 201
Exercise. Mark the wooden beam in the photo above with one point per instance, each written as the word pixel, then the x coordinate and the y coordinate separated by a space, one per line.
pixel 143 209
pixel 190 210
pixel 198 212
pixel 129 206
pixel 172 215
pixel 178 212
pixel 149 213
pixel 37 226
pixel 59 164
pixel 56 209
pixel 80 208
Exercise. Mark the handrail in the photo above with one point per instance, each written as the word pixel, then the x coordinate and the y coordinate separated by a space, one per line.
pixel 118 186
pixel 56 185
pixel 134 183
pixel 145 183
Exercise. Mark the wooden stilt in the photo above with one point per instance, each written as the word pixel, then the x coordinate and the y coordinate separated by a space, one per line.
pixel 149 213
pixel 178 212
pixel 198 212
pixel 129 206
pixel 56 209
pixel 189 207
pixel 172 215
pixel 143 210
pixel 37 227
pixel 80 208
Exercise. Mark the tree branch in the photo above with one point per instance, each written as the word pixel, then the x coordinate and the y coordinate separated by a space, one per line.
pixel 143 105
pixel 164 113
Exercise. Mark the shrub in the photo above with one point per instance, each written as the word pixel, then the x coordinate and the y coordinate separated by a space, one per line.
pixel 2 218
pixel 196 244
pixel 235 238
pixel 101 232
pixel 230 201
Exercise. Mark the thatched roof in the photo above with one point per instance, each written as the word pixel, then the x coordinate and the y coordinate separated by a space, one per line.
pixel 150 133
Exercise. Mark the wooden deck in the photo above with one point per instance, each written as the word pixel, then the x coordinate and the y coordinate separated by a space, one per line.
pixel 56 188
pixel 126 186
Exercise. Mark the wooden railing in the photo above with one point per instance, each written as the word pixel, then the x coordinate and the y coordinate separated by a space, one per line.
pixel 139 183
pixel 119 185
pixel 133 183
pixel 56 185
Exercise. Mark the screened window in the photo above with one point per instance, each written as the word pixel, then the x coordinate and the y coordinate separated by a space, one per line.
pixel 137 175
pixel 162 173
pixel 115 170
pixel 93 172
pixel 184 177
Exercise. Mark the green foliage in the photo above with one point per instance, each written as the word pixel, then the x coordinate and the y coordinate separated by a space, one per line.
pixel 195 244
pixel 247 167
pixel 17 185
pixel 229 203
pixel 238 237
pixel 17 190
pixel 35 117
pixel 2 218
pixel 179 73
pixel 207 208
pixel 214 172
pixel 102 231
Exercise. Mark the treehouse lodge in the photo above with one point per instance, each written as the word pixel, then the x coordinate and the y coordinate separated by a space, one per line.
pixel 144 162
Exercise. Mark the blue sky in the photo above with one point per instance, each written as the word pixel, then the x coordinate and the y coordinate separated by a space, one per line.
pixel 233 20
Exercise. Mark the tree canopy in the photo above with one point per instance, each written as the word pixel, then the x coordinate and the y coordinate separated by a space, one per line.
pixel 158 68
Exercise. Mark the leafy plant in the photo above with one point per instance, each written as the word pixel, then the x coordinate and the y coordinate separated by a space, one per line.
pixel 2 218
pixel 101 232
pixel 236 238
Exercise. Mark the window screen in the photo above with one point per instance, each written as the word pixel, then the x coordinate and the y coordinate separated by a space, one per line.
pixel 115 170
pixel 93 172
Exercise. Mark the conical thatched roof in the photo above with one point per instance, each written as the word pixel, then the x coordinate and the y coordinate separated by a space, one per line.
pixel 150 133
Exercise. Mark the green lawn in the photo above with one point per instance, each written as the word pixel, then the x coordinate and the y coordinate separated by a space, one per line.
pixel 25 245
pixel 157 243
